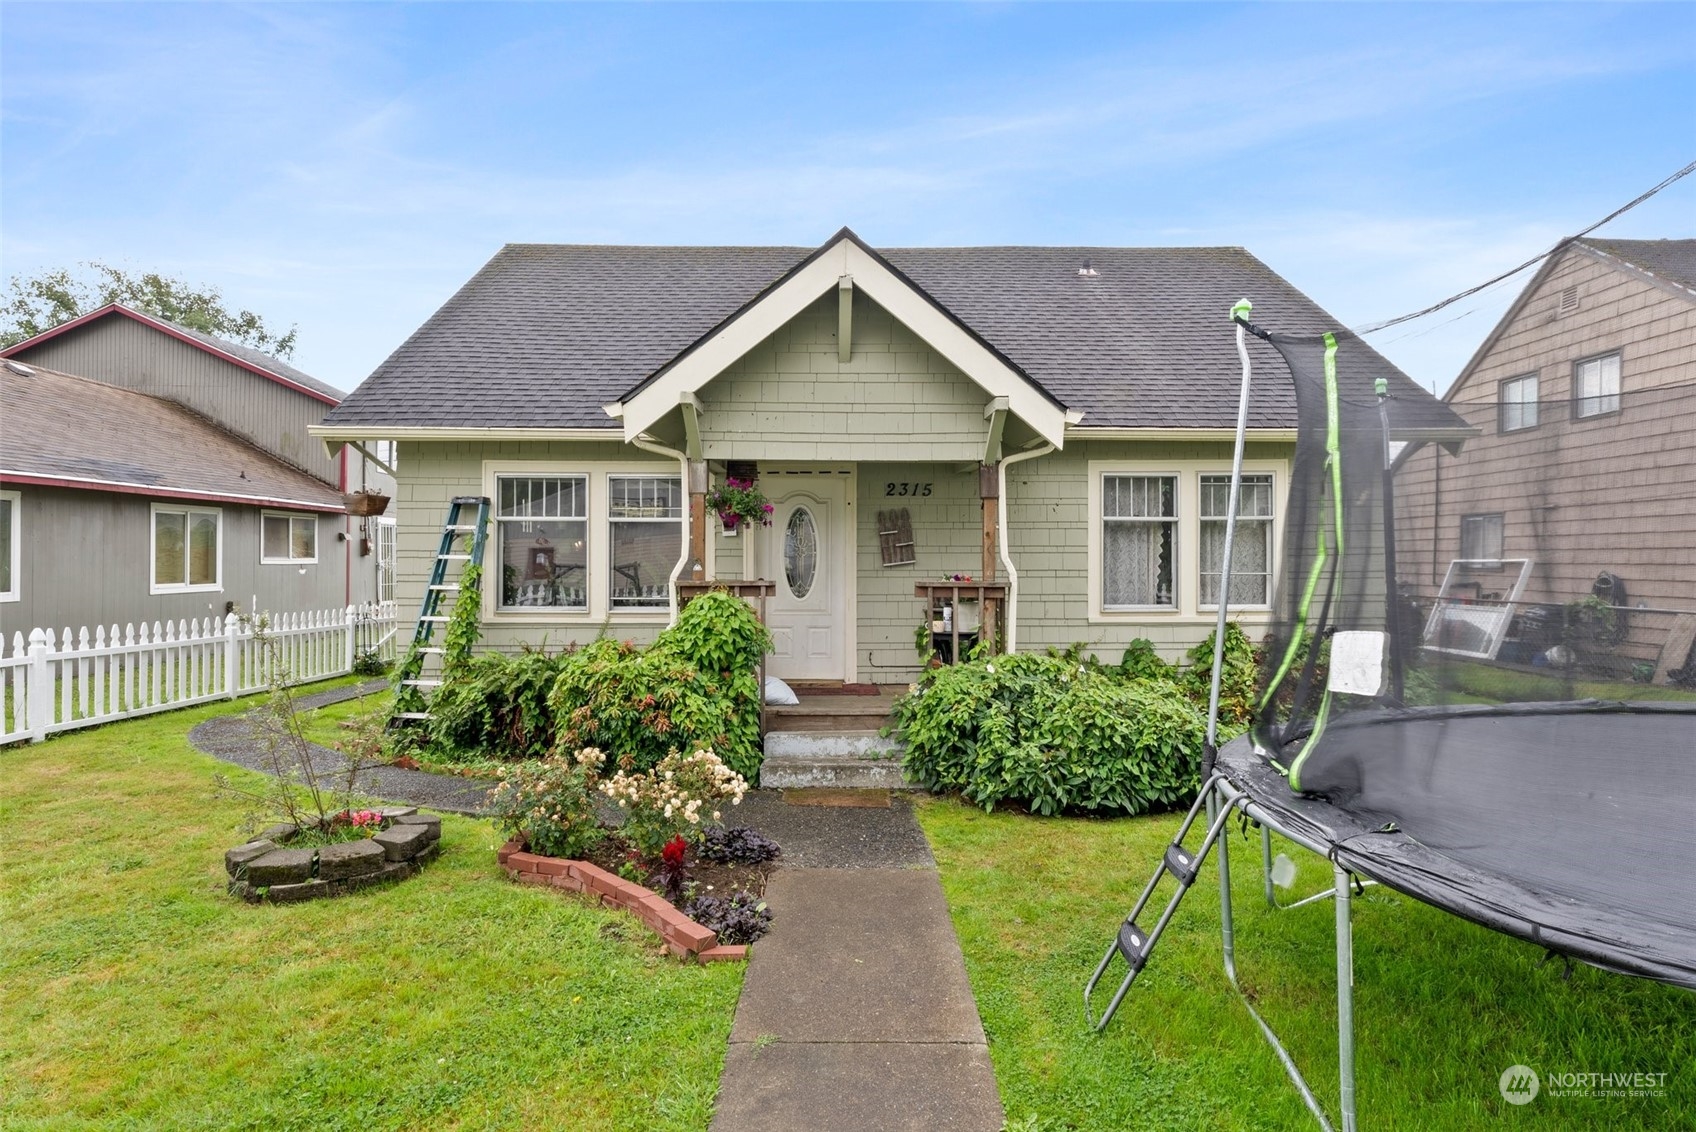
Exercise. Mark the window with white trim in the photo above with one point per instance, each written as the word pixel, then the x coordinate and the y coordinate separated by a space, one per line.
pixel 11 545
pixel 1481 537
pixel 383 532
pixel 1595 386
pixel 1251 551
pixel 542 542
pixel 1139 533
pixel 288 538
pixel 1518 404
pixel 187 548
pixel 645 528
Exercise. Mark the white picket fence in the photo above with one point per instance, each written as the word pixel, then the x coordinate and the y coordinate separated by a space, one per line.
pixel 52 682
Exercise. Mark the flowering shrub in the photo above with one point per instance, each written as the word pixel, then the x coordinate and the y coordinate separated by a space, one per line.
pixel 550 803
pixel 741 917
pixel 369 823
pixel 739 501
pixel 674 798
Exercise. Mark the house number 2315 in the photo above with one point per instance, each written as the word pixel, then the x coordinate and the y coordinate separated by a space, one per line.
pixel 906 489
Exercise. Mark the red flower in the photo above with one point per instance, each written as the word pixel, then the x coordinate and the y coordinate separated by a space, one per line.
pixel 672 853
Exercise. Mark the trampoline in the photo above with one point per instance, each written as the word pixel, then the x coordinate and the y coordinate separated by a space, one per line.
pixel 1457 699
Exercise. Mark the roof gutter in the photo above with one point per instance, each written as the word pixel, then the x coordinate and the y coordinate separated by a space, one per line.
pixel 347 433
pixel 160 491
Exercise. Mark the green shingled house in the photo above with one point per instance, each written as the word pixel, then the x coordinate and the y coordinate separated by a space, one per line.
pixel 1053 423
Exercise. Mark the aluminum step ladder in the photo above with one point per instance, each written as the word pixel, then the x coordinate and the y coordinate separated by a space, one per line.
pixel 411 682
pixel 1133 943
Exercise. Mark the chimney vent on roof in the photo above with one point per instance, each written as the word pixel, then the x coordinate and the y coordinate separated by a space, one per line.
pixel 1087 269
pixel 20 369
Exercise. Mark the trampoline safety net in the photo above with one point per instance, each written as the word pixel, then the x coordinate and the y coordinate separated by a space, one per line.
pixel 1484 645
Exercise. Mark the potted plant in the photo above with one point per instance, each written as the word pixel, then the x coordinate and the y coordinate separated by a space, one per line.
pixel 739 503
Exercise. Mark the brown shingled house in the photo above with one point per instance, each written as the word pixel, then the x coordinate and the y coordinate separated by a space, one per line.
pixel 1584 396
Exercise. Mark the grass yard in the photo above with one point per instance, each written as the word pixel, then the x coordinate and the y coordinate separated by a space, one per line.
pixel 1442 1007
pixel 136 993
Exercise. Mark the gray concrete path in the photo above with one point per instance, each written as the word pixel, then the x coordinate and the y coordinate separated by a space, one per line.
pixel 856 1014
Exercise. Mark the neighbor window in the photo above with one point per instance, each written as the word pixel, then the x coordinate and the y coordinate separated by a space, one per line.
pixel 1138 541
pixel 1518 407
pixel 383 534
pixel 645 522
pixel 543 541
pixel 11 545
pixel 186 550
pixel 1595 386
pixel 1251 552
pixel 1481 538
pixel 288 538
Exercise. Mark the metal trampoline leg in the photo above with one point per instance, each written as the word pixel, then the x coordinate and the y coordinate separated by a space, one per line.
pixel 1227 927
pixel 1345 997
pixel 1266 864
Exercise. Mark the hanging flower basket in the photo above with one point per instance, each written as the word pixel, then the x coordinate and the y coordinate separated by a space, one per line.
pixel 365 503
pixel 739 504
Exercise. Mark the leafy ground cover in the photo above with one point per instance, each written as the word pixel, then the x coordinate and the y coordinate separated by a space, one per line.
pixel 137 993
pixel 1442 1006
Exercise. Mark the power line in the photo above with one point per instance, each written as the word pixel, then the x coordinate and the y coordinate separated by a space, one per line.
pixel 1435 307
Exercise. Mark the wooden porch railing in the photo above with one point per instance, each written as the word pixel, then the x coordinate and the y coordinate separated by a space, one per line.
pixel 945 604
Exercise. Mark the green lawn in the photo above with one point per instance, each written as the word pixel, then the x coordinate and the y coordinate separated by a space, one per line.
pixel 1442 1006
pixel 136 993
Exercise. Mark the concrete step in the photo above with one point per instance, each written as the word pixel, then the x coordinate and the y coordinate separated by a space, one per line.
pixel 860 744
pixel 864 774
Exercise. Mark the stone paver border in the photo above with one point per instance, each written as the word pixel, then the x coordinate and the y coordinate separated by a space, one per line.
pixel 267 871
pixel 683 937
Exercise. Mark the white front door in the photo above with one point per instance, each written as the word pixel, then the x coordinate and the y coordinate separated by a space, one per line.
pixel 809 554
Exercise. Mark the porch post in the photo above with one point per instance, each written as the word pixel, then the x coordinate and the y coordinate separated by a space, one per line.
pixel 695 570
pixel 989 493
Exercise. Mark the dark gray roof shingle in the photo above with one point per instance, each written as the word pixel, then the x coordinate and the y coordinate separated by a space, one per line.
pixel 544 335
pixel 1674 260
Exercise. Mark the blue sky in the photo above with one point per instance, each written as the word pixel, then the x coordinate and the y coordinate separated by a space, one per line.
pixel 346 167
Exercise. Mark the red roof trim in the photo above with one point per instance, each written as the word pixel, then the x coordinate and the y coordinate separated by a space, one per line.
pixel 166 328
pixel 171 493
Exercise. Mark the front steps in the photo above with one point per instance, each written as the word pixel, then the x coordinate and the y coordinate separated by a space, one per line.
pixel 832 741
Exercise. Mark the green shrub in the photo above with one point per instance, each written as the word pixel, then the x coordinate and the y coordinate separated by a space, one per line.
pixel 495 705
pixel 1052 734
pixel 1236 688
pixel 718 633
pixel 1141 662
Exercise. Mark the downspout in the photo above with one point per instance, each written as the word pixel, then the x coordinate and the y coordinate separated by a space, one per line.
pixel 1001 539
pixel 683 472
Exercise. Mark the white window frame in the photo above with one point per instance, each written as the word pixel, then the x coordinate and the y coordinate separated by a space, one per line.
pixel 16 592
pixel 598 559
pixel 1271 550
pixel 1186 555
pixel 1578 397
pixel 153 584
pixel 1535 404
pixel 292 517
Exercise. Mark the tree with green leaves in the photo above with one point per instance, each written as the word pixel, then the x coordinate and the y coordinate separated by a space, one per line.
pixel 41 302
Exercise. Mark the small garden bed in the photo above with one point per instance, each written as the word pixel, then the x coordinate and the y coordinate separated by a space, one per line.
pixel 352 850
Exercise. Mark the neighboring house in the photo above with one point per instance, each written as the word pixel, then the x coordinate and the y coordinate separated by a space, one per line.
pixel 163 427
pixel 1056 421
pixel 1584 396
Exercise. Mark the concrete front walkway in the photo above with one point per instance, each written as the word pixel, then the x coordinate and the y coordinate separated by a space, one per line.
pixel 856 1015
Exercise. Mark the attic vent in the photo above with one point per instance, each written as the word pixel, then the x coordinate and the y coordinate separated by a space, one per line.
pixel 1568 303
pixel 20 369
pixel 1088 270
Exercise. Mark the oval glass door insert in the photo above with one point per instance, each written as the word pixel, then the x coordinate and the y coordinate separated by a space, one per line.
pixel 800 552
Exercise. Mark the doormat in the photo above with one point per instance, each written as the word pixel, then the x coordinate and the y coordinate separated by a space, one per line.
pixel 852 797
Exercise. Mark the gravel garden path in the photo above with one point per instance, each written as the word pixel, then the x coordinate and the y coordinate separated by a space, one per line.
pixel 856 1013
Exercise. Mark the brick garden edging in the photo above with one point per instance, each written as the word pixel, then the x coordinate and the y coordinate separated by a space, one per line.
pixel 683 937
pixel 266 870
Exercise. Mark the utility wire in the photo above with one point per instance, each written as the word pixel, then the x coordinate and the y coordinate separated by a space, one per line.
pixel 1435 307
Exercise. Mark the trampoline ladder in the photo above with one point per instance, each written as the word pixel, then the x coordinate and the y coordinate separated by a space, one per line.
pixel 1133 943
